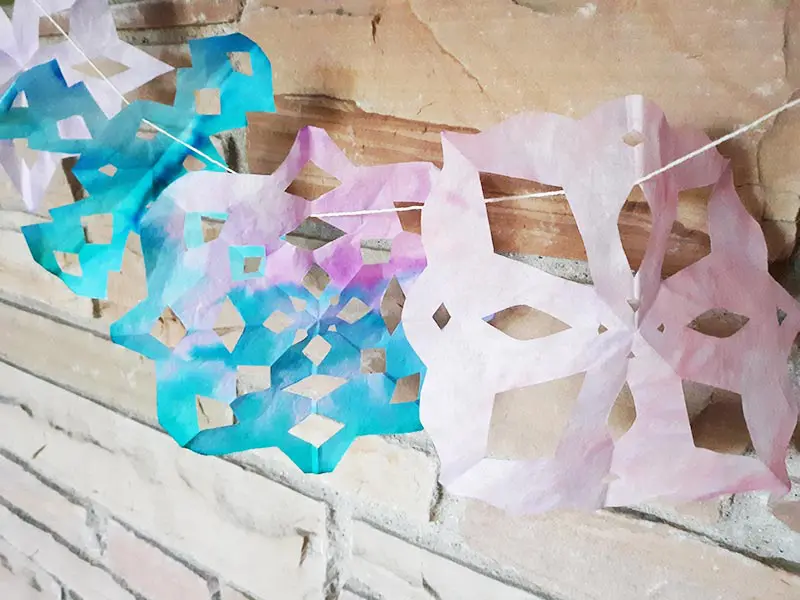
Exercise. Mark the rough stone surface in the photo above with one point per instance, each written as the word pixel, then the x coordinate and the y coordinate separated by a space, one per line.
pixel 393 568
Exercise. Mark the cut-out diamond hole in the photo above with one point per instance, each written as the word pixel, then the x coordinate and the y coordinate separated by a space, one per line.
pixel 721 427
pixel 146 132
pixel 107 66
pixel 353 311
pixel 68 262
pixel 25 152
pixel 73 128
pixel 335 299
pixel 406 389
pixel 241 62
pixel 168 329
pixel 98 229
pixel 252 378
pixel 211 228
pixel 317 349
pixel 108 170
pixel 316 386
pixel 213 413
pixel 299 336
pixel 192 164
pixel 278 322
pixel 316 429
pixel 633 138
pixel 298 303
pixel 313 234
pixel 622 414
pixel 601 329
pixel 528 422
pixel 376 251
pixel 718 322
pixel 392 305
pixel 312 182
pixel 661 328
pixel 634 224
pixel 523 322
pixel 207 101
pixel 229 325
pixel 373 360
pixel 441 316
pixel 781 315
pixel 252 264
pixel 316 280
pixel 631 355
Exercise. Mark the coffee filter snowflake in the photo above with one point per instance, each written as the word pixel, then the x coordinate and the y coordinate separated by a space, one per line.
pixel 92 28
pixel 624 330
pixel 294 348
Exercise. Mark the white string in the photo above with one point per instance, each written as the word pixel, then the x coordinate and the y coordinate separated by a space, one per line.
pixel 122 96
pixel 649 176
pixel 376 211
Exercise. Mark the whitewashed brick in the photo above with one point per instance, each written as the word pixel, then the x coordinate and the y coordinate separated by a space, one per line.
pixel 397 569
pixel 585 556
pixel 91 583
pixel 21 578
pixel 224 519
pixel 146 569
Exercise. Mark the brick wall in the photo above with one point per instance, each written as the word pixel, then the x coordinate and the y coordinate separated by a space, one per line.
pixel 96 502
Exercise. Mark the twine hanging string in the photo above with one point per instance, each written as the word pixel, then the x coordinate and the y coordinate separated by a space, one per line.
pixel 376 211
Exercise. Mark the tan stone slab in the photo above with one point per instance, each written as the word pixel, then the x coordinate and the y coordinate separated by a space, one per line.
pixel 394 568
pixel 224 519
pixel 597 556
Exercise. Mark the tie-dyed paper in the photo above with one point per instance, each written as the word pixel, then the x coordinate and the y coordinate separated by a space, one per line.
pixel 92 27
pixel 127 164
pixel 625 328
pixel 282 334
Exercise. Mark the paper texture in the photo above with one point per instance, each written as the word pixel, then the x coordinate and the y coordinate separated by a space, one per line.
pixel 626 328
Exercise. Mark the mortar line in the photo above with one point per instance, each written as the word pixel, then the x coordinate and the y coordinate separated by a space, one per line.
pixel 78 552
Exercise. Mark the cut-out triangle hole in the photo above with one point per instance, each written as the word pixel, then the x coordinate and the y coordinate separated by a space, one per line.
pixel 211 228
pixel 312 182
pixel 634 304
pixel 168 329
pixel 524 322
pixel 241 62
pixel 661 328
pixel 781 315
pixel 316 280
pixel 316 386
pixel 441 316
pixel 107 66
pixel 278 322
pixel 252 378
pixel 601 329
pixel 20 100
pixel 392 305
pixel 212 413
pixel 313 234
pixel 316 429
pixel 373 360
pixel 376 251
pixel 718 322
pixel 229 325
pixel 353 311
pixel 406 389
